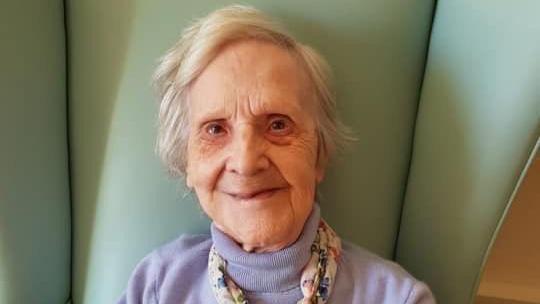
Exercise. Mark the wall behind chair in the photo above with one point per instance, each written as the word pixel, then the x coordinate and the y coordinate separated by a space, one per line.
pixel 34 185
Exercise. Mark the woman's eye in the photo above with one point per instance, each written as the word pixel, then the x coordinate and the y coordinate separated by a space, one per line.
pixel 280 126
pixel 215 129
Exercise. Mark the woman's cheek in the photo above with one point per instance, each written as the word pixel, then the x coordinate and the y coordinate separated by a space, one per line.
pixel 205 163
pixel 297 164
pixel 304 148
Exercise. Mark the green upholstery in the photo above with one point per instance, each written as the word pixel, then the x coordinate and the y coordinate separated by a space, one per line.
pixel 469 119
pixel 34 184
pixel 478 121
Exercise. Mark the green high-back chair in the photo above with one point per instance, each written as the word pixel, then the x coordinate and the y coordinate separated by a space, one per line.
pixel 444 98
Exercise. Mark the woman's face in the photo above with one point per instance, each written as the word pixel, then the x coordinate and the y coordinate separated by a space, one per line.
pixel 252 147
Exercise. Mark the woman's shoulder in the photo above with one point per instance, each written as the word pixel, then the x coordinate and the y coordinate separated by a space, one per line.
pixel 379 278
pixel 186 249
pixel 184 244
pixel 187 254
pixel 369 262
pixel 169 262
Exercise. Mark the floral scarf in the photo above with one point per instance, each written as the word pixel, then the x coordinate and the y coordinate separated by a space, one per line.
pixel 317 277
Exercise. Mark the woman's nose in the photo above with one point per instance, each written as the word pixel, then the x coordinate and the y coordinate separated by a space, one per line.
pixel 247 155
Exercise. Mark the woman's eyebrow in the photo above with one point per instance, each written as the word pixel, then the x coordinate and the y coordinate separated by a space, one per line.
pixel 210 114
pixel 282 106
pixel 291 109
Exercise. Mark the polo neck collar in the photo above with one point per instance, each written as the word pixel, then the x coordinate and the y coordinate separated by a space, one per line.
pixel 268 272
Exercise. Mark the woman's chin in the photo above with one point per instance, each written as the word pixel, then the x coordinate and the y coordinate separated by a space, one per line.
pixel 261 223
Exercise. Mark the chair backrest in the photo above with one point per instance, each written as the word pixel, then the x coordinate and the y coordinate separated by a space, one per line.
pixel 477 124
pixel 122 205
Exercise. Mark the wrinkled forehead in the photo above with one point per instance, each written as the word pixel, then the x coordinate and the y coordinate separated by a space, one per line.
pixel 253 76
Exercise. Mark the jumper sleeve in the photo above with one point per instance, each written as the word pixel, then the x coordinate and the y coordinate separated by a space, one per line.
pixel 141 287
pixel 420 294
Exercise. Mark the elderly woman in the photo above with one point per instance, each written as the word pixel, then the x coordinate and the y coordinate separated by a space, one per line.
pixel 248 119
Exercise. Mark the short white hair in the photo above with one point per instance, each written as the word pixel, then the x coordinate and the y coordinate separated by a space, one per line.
pixel 198 45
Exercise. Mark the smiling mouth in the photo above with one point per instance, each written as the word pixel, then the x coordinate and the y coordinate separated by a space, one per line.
pixel 255 195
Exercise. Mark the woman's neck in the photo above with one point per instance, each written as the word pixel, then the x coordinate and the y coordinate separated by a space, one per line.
pixel 267 271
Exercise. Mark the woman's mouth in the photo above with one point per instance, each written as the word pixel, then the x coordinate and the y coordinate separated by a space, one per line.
pixel 260 194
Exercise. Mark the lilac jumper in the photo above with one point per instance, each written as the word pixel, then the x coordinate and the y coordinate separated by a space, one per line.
pixel 177 273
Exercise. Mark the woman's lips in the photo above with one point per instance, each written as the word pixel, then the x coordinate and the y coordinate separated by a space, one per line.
pixel 261 194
